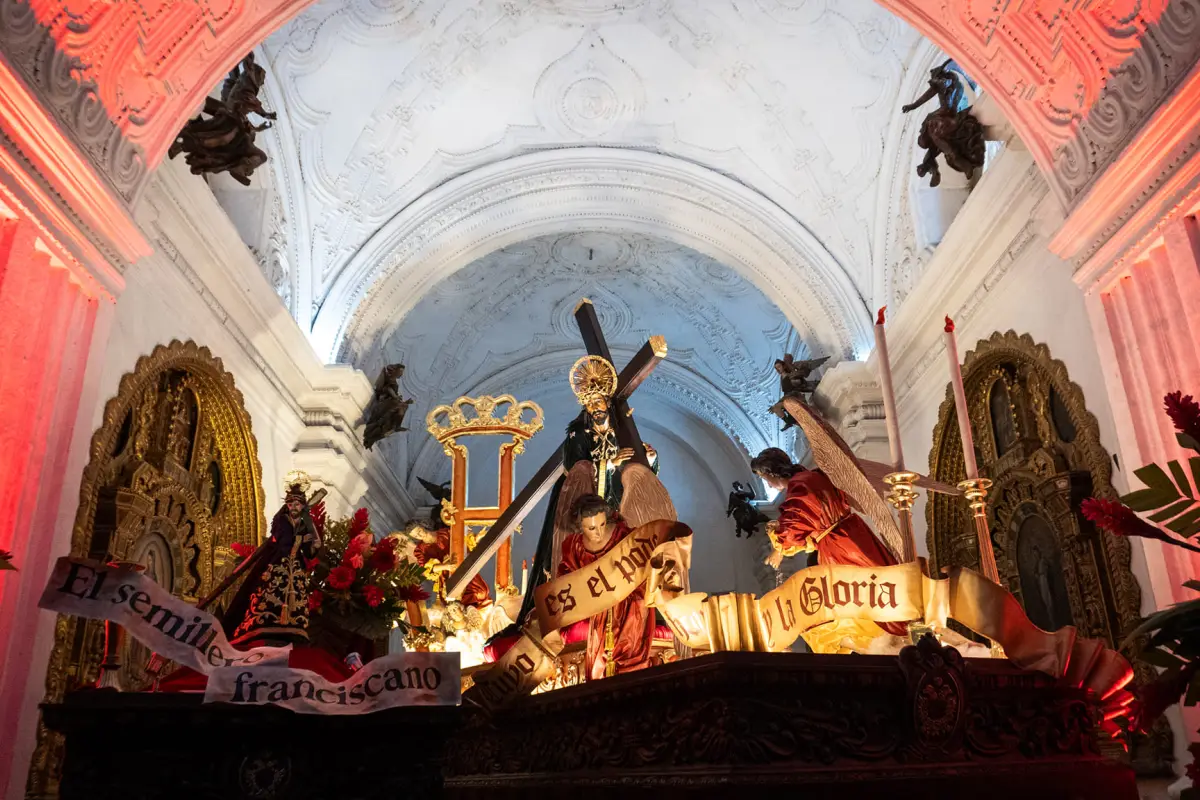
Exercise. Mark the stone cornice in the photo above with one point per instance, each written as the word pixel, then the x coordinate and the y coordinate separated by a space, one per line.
pixel 62 132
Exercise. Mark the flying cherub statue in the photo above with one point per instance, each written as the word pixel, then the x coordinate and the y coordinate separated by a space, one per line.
pixel 384 415
pixel 746 517
pixel 794 382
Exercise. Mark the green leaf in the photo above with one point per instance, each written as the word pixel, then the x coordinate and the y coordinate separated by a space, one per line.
pixel 1187 441
pixel 1181 479
pixel 1161 658
pixel 1193 692
pixel 1154 477
pixel 1186 525
pixel 1173 510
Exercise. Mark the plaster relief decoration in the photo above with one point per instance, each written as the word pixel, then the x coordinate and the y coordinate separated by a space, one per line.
pixel 712 83
pixel 505 323
pixel 589 93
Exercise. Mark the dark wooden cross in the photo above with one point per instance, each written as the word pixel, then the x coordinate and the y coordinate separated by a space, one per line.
pixel 620 417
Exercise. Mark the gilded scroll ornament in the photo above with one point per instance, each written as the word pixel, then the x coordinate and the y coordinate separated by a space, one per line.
pixel 172 482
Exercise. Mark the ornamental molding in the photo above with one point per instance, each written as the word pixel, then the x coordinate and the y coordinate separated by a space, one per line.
pixel 54 77
pixel 612 190
pixel 1167 52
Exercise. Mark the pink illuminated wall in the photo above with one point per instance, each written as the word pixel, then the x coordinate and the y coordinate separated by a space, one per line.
pixel 1152 311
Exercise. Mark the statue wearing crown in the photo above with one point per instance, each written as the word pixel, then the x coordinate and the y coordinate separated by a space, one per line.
pixel 271 607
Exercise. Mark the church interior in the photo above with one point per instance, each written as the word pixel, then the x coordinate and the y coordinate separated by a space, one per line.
pixel 676 397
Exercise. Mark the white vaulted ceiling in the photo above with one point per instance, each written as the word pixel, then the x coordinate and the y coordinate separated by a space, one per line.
pixel 385 100
pixel 505 324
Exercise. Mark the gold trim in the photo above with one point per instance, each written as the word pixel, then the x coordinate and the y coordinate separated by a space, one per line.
pixel 659 345
pixel 582 302
pixel 457 423
pixel 180 411
pixel 1040 474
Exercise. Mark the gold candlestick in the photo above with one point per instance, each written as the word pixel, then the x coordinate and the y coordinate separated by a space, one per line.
pixel 902 496
pixel 975 490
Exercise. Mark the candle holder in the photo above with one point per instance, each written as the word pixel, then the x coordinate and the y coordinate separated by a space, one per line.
pixel 975 490
pixel 902 496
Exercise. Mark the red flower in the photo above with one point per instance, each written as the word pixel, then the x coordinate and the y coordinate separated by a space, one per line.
pixel 388 543
pixel 362 519
pixel 414 593
pixel 1120 520
pixel 1184 413
pixel 242 551
pixel 341 577
pixel 374 596
pixel 383 559
pixel 310 564
pixel 360 544
pixel 315 599
pixel 354 560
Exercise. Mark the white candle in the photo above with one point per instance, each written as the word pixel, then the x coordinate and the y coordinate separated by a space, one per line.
pixel 889 395
pixel 960 402
pixel 524 575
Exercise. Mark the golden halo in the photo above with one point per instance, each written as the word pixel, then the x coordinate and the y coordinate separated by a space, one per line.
pixel 297 477
pixel 592 377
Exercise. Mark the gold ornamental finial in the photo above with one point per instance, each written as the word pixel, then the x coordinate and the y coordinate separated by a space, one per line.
pixel 659 345
pixel 580 304
pixel 478 415
pixel 593 377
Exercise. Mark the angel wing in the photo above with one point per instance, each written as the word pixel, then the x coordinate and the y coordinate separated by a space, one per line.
pixel 579 480
pixel 841 466
pixel 644 498
pixel 810 364
pixel 435 491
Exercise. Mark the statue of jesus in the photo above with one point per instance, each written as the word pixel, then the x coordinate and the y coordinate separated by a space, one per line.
pixel 619 639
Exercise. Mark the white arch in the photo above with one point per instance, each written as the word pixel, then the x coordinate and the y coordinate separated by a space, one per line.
pixel 558 191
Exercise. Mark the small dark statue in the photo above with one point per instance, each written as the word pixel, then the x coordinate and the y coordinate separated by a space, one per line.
pixel 744 514
pixel 225 141
pixel 438 493
pixel 794 382
pixel 384 415
pixel 951 129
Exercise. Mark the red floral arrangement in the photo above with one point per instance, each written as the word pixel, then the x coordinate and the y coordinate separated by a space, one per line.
pixel 1168 639
pixel 359 584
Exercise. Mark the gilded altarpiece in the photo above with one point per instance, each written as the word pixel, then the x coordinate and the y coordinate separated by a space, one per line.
pixel 173 480
pixel 1038 443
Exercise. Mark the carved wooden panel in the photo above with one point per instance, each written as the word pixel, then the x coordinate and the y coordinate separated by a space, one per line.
pixel 174 480
pixel 1040 445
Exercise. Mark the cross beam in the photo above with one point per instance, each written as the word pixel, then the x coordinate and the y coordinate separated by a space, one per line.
pixel 629 379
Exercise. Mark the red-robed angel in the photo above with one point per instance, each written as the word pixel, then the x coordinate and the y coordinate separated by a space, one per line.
pixel 619 639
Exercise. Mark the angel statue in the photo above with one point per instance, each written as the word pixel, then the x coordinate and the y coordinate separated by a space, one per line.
pixel 794 382
pixel 820 513
pixel 384 415
pixel 745 515
pixel 951 129
pixel 225 141
pixel 598 466
pixel 439 494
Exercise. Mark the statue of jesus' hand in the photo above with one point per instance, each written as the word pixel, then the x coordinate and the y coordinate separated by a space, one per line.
pixel 623 455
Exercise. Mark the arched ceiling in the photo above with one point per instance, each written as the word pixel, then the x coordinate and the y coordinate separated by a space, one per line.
pixel 382 101
pixel 505 324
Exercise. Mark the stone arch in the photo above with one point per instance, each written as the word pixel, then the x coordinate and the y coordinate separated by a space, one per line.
pixel 600 188
pixel 1046 66
pixel 146 490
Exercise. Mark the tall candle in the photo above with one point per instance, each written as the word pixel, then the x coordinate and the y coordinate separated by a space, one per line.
pixel 524 575
pixel 960 402
pixel 889 395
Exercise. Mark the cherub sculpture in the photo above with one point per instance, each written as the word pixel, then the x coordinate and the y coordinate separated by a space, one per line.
pixel 746 517
pixel 951 130
pixel 438 493
pixel 225 141
pixel 794 382
pixel 384 415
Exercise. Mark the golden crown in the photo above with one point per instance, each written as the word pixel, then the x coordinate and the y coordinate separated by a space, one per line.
pixel 593 377
pixel 477 415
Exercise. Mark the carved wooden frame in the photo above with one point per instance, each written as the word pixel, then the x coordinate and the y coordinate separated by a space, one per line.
pixel 140 496
pixel 1040 474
